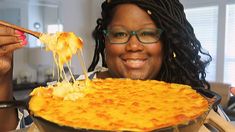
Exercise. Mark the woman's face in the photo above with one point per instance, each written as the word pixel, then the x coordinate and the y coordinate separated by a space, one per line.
pixel 133 59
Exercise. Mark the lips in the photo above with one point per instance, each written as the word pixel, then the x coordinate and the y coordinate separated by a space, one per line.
pixel 134 63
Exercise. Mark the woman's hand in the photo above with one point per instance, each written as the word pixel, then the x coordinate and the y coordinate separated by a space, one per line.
pixel 10 40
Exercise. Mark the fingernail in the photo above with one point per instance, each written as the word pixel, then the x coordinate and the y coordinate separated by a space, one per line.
pixel 19 32
pixel 24 42
pixel 22 37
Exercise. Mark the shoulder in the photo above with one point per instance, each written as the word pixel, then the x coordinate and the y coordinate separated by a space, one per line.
pixel 24 119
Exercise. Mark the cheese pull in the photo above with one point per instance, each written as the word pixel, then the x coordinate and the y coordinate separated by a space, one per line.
pixel 63 45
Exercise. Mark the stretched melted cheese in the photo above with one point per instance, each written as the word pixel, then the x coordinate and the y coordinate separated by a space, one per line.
pixel 63 45
pixel 118 104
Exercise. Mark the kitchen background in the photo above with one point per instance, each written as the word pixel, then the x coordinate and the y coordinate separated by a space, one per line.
pixel 79 16
pixel 213 20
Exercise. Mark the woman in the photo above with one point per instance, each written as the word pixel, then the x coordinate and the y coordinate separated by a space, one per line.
pixel 138 39
pixel 151 39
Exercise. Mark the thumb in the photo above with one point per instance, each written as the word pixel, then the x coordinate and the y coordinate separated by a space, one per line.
pixel 9 48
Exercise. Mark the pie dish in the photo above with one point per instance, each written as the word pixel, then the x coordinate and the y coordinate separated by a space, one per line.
pixel 118 104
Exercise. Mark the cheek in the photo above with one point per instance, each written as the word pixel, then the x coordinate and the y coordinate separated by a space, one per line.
pixel 112 50
pixel 156 58
pixel 155 51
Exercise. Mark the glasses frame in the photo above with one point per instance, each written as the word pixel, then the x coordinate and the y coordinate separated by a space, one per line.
pixel 134 33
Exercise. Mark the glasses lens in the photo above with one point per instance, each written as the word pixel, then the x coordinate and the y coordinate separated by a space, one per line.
pixel 118 36
pixel 149 35
pixel 122 36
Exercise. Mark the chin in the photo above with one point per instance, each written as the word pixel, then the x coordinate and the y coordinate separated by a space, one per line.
pixel 136 76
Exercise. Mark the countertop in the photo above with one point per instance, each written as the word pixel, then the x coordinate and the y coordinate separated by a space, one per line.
pixel 27 86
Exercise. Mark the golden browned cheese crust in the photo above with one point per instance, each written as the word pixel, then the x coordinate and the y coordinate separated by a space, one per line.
pixel 120 104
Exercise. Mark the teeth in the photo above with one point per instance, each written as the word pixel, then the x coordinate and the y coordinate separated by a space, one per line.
pixel 131 63
pixel 134 61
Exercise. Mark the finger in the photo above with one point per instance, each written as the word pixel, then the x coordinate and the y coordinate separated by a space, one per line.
pixel 5 40
pixel 5 63
pixel 9 48
pixel 6 31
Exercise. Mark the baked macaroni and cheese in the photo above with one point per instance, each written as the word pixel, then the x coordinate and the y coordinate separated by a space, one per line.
pixel 118 104
pixel 64 45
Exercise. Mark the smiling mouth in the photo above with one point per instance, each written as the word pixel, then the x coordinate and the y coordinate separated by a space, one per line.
pixel 134 63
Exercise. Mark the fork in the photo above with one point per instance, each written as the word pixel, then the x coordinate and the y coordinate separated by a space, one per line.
pixel 34 33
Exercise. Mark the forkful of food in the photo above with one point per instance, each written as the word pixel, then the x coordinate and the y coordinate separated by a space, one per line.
pixel 63 45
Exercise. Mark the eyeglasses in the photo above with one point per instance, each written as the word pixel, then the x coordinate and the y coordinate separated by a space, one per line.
pixel 122 36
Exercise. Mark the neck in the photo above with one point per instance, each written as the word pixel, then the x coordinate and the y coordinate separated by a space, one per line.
pixel 103 75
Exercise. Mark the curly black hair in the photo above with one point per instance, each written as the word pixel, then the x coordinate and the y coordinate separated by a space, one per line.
pixel 184 60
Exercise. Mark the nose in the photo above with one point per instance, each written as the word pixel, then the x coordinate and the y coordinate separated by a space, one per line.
pixel 134 44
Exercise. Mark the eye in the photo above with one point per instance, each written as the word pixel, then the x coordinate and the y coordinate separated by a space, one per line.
pixel 148 33
pixel 118 34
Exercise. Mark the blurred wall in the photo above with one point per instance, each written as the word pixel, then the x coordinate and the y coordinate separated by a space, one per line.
pixel 78 16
